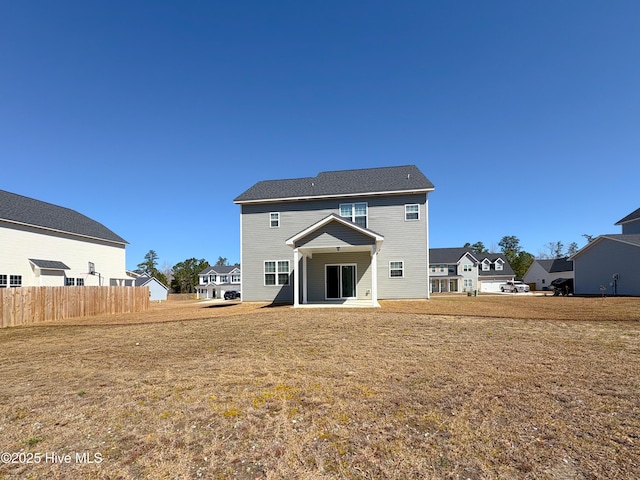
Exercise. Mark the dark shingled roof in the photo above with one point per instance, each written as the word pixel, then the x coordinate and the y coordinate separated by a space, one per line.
pixel 49 264
pixel 635 215
pixel 556 265
pixel 340 183
pixel 29 211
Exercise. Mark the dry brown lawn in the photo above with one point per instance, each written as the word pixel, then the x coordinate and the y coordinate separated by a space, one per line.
pixel 513 387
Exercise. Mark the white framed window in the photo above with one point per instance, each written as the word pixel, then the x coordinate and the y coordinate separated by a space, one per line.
pixel 442 268
pixel 224 278
pixel 356 212
pixel 411 212
pixel 498 265
pixel 274 220
pixel 276 272
pixel 80 282
pixel 3 281
pixel 15 280
pixel 433 269
pixel 485 266
pixel 467 267
pixel 468 283
pixel 396 269
pixel 69 282
pixel 235 278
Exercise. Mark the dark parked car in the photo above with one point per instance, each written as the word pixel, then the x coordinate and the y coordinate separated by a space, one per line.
pixel 231 295
pixel 562 286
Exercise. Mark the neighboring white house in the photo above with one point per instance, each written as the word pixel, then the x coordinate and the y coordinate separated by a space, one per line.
pixel 157 290
pixel 215 281
pixel 47 245
pixel 543 272
pixel 610 264
pixel 462 270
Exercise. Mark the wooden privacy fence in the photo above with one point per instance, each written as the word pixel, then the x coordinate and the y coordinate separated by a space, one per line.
pixel 29 305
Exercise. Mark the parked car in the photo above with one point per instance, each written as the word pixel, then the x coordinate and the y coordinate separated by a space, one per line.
pixel 562 286
pixel 231 295
pixel 515 287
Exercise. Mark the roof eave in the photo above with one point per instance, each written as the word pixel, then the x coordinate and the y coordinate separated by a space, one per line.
pixel 342 195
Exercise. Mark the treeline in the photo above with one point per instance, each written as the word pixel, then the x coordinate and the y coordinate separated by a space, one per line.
pixel 181 277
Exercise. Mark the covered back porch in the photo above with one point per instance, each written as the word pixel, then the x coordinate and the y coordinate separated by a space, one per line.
pixel 335 264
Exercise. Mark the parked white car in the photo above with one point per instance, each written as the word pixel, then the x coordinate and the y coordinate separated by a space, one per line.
pixel 514 287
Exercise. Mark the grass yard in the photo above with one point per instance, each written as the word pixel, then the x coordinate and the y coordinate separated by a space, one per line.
pixel 508 387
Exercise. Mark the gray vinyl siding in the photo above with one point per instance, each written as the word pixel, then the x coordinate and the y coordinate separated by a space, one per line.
pixel 631 227
pixel 335 234
pixel 597 266
pixel 403 241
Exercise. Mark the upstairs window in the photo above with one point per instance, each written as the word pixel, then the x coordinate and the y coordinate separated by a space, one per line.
pixel 452 269
pixel 274 220
pixel 498 265
pixel 467 267
pixel 485 266
pixel 356 212
pixel 412 212
pixel 224 279
pixel 235 278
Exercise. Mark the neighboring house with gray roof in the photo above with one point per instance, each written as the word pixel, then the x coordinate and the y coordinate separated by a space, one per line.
pixel 543 271
pixel 610 263
pixel 349 236
pixel 463 270
pixel 48 245
pixel 631 223
pixel 157 290
pixel 214 281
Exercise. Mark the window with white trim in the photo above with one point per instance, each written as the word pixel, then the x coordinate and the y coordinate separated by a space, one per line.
pixel 80 282
pixel 356 212
pixel 467 267
pixel 15 280
pixel 468 283
pixel 69 282
pixel 276 272
pixel 485 266
pixel 274 220
pixel 412 212
pixel 498 265
pixel 396 269
pixel 433 269
pixel 3 281
pixel 235 278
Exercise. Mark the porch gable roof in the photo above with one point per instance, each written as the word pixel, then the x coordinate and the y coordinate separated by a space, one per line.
pixel 376 237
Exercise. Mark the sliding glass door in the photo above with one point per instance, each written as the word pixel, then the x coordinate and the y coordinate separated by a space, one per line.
pixel 340 281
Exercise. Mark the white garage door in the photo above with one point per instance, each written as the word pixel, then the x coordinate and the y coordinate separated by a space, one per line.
pixel 490 285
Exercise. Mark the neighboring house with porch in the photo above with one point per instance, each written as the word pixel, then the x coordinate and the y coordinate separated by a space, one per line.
pixel 47 245
pixel 610 263
pixel 462 270
pixel 214 281
pixel 350 236
pixel 544 271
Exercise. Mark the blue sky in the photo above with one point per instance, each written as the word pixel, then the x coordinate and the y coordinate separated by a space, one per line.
pixel 151 116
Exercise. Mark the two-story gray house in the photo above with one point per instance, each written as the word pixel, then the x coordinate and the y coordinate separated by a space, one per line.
pixel 351 236
pixel 610 263
pixel 462 270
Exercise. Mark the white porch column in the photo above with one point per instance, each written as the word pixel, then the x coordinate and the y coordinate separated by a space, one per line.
pixel 296 278
pixel 374 276
pixel 304 279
